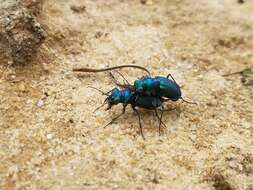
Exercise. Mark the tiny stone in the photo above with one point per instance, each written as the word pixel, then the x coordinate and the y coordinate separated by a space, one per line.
pixel 10 62
pixel 76 149
pixel 12 76
pixel 50 136
pixel 22 87
pixel 98 34
pixel 78 9
pixel 147 2
pixel 247 125
pixel 40 103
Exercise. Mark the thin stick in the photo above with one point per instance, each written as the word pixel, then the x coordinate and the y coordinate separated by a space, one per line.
pixel 239 72
pixel 110 68
pixel 235 73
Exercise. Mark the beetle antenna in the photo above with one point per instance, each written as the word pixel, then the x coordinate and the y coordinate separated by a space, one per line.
pixel 103 93
pixel 100 106
pixel 188 101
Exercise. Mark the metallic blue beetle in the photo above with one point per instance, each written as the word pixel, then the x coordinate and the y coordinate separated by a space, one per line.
pixel 148 92
pixel 154 86
pixel 127 96
pixel 151 86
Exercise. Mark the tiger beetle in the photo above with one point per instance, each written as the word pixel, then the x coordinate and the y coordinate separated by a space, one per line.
pixel 148 92
pixel 127 96
pixel 151 86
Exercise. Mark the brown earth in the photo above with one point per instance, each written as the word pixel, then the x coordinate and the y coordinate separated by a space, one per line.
pixel 50 139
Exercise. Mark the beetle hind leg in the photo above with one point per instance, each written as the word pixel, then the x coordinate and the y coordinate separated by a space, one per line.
pixel 139 117
pixel 160 121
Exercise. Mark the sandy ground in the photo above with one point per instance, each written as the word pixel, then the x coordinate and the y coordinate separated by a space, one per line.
pixel 50 139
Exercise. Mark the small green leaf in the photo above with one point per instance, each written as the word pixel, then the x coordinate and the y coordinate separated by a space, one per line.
pixel 247 72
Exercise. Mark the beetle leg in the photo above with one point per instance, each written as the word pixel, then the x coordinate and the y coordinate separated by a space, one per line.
pixel 160 120
pixel 114 119
pixel 115 81
pixel 169 75
pixel 124 86
pixel 139 117
pixel 125 80
pixel 164 110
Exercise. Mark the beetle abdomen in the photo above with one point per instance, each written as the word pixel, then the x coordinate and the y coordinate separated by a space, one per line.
pixel 169 89
pixel 148 102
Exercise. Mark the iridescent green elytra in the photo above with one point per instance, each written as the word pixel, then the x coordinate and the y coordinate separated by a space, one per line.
pixel 158 87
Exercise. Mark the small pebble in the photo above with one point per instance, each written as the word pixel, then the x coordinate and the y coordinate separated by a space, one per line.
pixel 50 136
pixel 12 76
pixel 76 149
pixel 147 2
pixel 40 103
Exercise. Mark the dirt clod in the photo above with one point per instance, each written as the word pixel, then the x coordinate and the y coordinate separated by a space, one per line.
pixel 20 32
pixel 241 1
pixel 78 9
pixel 220 183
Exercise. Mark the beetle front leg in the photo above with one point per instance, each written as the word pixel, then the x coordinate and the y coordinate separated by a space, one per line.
pixel 114 119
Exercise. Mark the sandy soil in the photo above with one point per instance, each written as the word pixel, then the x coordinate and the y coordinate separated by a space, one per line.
pixel 50 139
